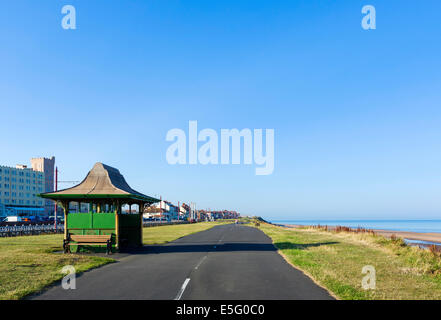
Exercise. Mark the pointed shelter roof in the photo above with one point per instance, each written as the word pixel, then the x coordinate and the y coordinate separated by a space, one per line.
pixel 102 182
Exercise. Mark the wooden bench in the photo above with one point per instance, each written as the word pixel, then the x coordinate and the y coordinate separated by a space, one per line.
pixel 78 240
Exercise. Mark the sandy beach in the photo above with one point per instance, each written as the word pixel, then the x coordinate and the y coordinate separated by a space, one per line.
pixel 429 237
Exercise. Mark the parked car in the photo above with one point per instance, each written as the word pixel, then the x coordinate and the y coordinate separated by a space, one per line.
pixel 12 219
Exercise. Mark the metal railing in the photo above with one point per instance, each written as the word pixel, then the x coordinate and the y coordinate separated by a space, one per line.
pixel 36 229
pixel 29 229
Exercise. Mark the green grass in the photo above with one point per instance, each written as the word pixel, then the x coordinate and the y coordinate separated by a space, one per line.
pixel 335 261
pixel 163 234
pixel 30 263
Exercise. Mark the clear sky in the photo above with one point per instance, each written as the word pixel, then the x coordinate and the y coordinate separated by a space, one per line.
pixel 356 113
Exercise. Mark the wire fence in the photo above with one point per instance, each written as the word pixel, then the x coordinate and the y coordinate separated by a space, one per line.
pixel 29 229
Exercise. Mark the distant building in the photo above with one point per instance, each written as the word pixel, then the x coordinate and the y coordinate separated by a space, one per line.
pixel 164 210
pixel 18 189
pixel 213 215
pixel 185 211
pixel 47 166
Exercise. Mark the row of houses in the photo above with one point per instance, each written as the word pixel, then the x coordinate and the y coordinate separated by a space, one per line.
pixel 214 215
pixel 165 210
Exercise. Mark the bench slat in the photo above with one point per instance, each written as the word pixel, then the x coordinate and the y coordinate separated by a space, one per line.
pixel 85 243
pixel 79 239
pixel 91 238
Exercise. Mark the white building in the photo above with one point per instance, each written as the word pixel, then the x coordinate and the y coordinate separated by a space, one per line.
pixel 162 210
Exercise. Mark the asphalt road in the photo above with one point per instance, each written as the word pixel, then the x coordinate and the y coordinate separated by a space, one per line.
pixel 225 262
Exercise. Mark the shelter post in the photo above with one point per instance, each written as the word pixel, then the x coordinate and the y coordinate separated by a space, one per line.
pixel 65 206
pixel 117 212
pixel 141 214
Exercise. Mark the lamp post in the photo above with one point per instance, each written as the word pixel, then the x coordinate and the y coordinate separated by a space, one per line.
pixel 55 208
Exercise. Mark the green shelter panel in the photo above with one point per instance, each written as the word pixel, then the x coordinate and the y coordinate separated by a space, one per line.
pixel 91 221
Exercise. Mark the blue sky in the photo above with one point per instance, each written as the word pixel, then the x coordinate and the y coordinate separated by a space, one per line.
pixel 356 113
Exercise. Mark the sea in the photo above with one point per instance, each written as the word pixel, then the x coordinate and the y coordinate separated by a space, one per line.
pixel 422 226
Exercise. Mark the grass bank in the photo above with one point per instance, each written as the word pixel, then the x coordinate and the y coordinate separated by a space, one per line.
pixel 30 263
pixel 335 261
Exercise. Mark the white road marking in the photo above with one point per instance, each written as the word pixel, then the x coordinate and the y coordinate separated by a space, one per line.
pixel 200 262
pixel 184 285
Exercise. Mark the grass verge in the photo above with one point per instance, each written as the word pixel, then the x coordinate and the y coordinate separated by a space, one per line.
pixel 163 234
pixel 335 261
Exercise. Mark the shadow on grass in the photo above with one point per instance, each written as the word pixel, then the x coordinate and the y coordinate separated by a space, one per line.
pixel 301 246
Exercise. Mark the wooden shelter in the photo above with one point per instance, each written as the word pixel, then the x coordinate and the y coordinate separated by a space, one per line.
pixel 105 191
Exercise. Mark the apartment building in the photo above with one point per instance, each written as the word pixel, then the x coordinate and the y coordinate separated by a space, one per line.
pixel 18 189
pixel 47 167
